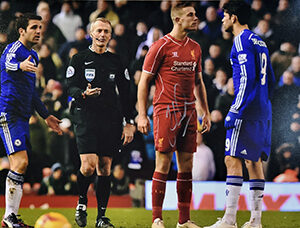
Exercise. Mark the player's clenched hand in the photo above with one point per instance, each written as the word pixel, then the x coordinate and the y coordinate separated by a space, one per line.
pixel 143 124
pixel 26 65
pixel 128 132
pixel 92 92
pixel 53 123
pixel 206 123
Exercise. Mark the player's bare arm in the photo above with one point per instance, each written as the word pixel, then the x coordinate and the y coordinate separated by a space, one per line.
pixel 143 121
pixel 201 98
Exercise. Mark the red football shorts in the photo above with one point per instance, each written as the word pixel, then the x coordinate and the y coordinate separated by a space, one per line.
pixel 175 131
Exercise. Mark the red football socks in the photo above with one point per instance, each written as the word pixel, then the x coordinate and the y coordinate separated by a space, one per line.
pixel 184 194
pixel 158 194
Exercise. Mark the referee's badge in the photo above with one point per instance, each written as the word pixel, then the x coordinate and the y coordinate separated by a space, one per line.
pixel 90 74
pixel 70 72
pixel 126 73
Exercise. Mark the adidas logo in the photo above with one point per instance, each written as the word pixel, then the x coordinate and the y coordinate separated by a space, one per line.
pixel 244 152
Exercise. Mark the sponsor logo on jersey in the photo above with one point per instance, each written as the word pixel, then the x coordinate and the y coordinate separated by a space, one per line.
pixel 242 58
pixel 90 74
pixel 258 42
pixel 18 142
pixel 184 66
pixel 70 72
pixel 87 63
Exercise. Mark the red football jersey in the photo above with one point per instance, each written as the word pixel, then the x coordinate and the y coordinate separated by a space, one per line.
pixel 176 65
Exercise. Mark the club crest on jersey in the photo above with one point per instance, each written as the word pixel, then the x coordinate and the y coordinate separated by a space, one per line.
pixel 90 74
pixel 193 54
pixel 18 142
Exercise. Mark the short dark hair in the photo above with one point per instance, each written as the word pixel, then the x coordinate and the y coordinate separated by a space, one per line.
pixel 180 5
pixel 23 21
pixel 238 8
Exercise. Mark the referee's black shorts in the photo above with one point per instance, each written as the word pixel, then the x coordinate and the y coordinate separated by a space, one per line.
pixel 97 132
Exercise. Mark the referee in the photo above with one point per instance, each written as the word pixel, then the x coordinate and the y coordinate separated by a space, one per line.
pixel 99 86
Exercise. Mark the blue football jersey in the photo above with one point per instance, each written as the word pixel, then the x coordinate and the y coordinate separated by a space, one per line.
pixel 253 77
pixel 18 94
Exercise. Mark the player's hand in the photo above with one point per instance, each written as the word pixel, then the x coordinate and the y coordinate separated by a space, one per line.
pixel 143 124
pixel 230 119
pixel 95 92
pixel 27 65
pixel 53 123
pixel 206 123
pixel 128 132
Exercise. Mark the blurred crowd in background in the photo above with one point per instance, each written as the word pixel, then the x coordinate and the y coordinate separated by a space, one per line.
pixel 136 25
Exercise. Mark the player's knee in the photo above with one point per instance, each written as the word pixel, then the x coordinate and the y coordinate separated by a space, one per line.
pixel 232 163
pixel 252 165
pixel 87 170
pixel 162 167
pixel 104 171
pixel 21 164
pixel 248 163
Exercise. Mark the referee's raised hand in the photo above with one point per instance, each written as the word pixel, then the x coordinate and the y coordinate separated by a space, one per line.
pixel 95 92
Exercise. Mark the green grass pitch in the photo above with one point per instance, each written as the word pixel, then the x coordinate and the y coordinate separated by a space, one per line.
pixel 141 218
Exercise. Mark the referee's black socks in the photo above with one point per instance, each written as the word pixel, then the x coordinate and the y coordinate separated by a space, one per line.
pixel 83 184
pixel 103 186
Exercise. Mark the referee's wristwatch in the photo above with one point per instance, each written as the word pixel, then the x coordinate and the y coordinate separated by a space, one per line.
pixel 128 121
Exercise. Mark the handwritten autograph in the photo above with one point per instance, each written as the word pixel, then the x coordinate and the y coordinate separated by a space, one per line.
pixel 176 106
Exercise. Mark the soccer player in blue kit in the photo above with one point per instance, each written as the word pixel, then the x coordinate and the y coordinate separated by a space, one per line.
pixel 18 100
pixel 248 121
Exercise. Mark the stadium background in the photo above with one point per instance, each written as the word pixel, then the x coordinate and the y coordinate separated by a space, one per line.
pixel 136 25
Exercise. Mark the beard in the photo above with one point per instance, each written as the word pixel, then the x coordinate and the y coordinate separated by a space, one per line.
pixel 190 29
pixel 229 29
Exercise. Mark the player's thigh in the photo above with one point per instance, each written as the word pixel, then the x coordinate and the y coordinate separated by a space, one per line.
pixel 89 160
pixel 186 138
pixel 184 161
pixel 247 140
pixel 163 161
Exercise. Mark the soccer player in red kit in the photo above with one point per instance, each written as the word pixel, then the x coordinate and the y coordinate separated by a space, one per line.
pixel 174 62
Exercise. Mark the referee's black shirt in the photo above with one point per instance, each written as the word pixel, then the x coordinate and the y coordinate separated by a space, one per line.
pixel 105 71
